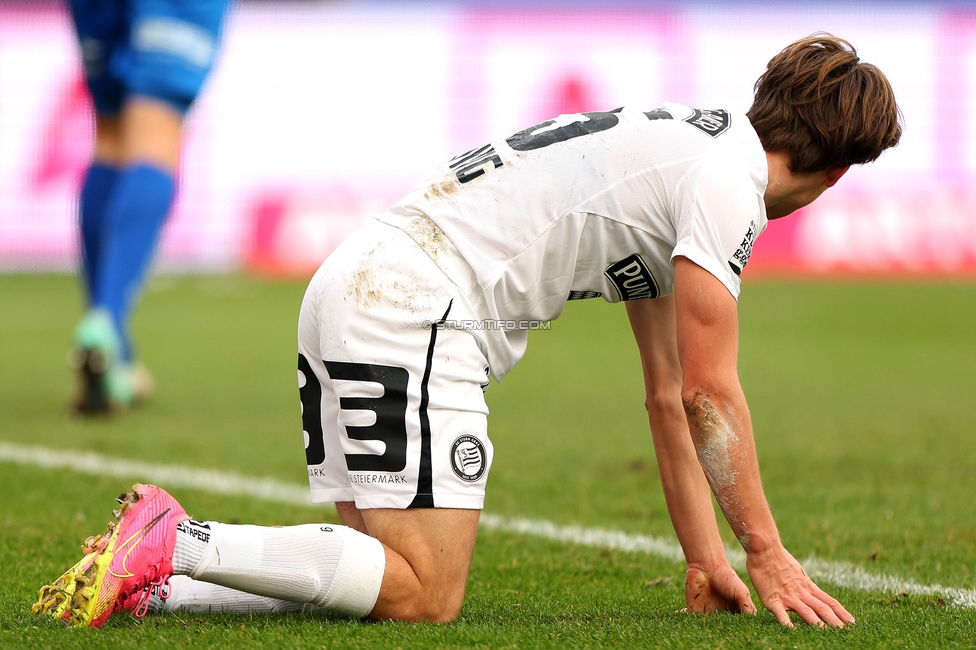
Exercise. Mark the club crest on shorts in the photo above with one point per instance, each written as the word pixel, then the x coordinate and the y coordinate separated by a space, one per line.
pixel 468 458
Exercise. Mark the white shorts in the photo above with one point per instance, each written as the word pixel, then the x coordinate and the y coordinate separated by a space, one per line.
pixel 393 406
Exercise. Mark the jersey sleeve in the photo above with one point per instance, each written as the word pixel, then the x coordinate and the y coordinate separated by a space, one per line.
pixel 719 213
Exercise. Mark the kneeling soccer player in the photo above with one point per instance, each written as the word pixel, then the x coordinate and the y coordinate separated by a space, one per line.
pixel 658 208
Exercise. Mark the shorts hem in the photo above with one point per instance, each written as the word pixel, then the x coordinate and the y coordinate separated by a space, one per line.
pixel 459 501
pixel 399 502
pixel 332 495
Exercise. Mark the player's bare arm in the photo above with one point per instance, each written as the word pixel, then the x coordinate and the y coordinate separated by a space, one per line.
pixel 707 335
pixel 711 584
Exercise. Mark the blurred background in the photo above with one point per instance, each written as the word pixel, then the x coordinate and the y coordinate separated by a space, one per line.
pixel 320 114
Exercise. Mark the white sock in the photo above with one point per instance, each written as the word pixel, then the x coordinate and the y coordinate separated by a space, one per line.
pixel 189 595
pixel 335 568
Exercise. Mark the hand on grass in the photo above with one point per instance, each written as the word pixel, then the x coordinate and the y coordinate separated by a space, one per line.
pixel 717 590
pixel 783 586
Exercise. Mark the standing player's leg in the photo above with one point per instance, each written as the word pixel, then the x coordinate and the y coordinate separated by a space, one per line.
pixel 160 59
pixel 96 188
pixel 127 194
pixel 136 210
pixel 102 30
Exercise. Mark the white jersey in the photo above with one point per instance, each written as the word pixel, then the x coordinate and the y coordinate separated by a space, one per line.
pixel 590 205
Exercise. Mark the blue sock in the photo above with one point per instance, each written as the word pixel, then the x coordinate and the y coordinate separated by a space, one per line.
pixel 133 218
pixel 95 191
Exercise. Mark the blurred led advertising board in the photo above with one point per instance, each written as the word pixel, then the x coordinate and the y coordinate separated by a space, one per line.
pixel 321 114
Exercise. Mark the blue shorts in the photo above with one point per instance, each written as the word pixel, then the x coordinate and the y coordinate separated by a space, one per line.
pixel 155 48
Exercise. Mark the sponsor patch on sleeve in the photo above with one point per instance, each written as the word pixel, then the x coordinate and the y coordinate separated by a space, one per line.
pixel 710 122
pixel 632 278
pixel 741 256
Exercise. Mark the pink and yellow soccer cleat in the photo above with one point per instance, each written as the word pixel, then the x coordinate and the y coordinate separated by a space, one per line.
pixel 133 556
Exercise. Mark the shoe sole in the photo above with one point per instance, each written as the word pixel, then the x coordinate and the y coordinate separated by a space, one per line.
pixel 54 599
pixel 92 367
pixel 73 596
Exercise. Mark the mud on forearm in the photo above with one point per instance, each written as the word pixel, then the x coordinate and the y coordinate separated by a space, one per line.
pixel 714 452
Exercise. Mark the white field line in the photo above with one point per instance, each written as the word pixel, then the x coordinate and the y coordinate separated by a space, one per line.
pixel 841 574
pixel 206 480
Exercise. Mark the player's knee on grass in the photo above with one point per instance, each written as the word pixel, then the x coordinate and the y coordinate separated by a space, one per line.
pixel 428 556
pixel 432 603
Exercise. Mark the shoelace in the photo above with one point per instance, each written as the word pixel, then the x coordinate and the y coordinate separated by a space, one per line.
pixel 161 584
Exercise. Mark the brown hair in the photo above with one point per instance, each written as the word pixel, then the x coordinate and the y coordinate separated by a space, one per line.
pixel 818 103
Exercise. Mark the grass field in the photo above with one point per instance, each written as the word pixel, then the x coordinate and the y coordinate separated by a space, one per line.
pixel 862 398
